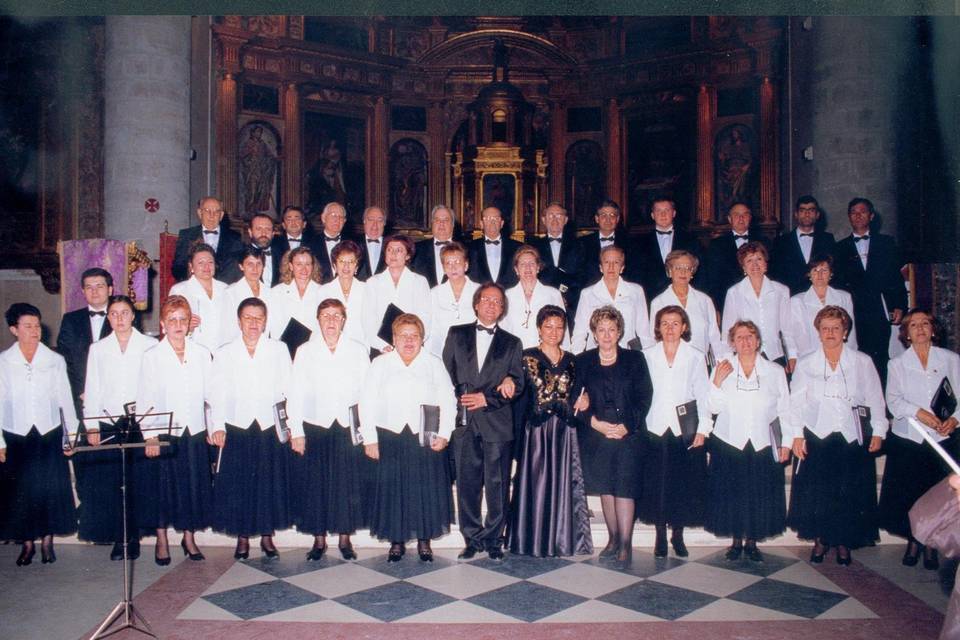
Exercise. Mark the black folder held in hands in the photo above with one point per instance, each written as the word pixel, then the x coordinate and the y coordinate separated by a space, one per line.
pixel 354 424
pixel 776 439
pixel 429 424
pixel 944 402
pixel 295 335
pixel 280 421
pixel 689 421
pixel 385 332
pixel 861 415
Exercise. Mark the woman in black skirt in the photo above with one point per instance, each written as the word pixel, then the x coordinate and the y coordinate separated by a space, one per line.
pixel 173 484
pixel 913 467
pixel 745 496
pixel 332 480
pixel 833 497
pixel 413 498
pixel 35 407
pixel 251 489
pixel 549 515
pixel 113 367
pixel 674 482
pixel 617 383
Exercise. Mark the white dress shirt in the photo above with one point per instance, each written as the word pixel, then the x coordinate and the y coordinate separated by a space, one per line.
pixel 823 400
pixel 212 238
pixel 555 244
pixel 494 253
pixel 804 308
pixel 294 242
pixel 112 375
pixel 863 248
pixel 207 307
pixel 806 245
pixel 411 294
pixel 393 393
pixel 245 388
pixel 704 332
pixel 674 385
pixel 331 243
pixel 34 392
pixel 325 384
pixel 284 302
pixel 910 387
pixel 521 318
pixel 746 405
pixel 664 241
pixel 353 328
pixel 167 384
pixel 629 301
pixel 437 263
pixel 739 241
pixel 484 340
pixel 96 321
pixel 770 311
pixel 446 311
pixel 232 297
pixel 374 247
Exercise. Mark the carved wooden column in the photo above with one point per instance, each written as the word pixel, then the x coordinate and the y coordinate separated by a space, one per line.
pixel 706 108
pixel 614 183
pixel 437 162
pixel 292 171
pixel 558 129
pixel 769 197
pixel 380 152
pixel 227 142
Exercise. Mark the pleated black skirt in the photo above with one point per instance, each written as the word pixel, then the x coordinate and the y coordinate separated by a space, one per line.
pixel 548 514
pixel 413 498
pixel 745 492
pixel 333 483
pixel 834 494
pixel 101 500
pixel 175 489
pixel 674 481
pixel 36 498
pixel 252 490
pixel 610 467
pixel 911 469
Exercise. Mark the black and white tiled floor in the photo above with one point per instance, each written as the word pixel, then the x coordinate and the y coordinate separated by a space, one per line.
pixel 704 587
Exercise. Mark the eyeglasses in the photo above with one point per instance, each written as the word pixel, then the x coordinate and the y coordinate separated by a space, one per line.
pixel 682 268
pixel 745 384
pixel 526 318
pixel 489 300
pixel 834 382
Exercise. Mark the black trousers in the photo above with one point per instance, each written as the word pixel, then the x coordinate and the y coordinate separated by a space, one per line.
pixel 483 468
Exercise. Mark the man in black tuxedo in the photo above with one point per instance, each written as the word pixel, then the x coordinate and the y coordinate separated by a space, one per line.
pixel 296 231
pixel 82 327
pixel 260 229
pixel 721 268
pixel 486 370
pixel 868 265
pixel 426 257
pixel 793 250
pixel 212 230
pixel 561 256
pixel 652 249
pixel 491 255
pixel 609 232
pixel 374 259
pixel 334 218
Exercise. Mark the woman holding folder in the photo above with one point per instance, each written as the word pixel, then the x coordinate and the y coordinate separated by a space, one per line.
pixel 750 397
pixel 293 301
pixel 407 414
pixel 675 465
pixel 838 418
pixel 252 486
pixel 921 388
pixel 393 291
pixel 331 481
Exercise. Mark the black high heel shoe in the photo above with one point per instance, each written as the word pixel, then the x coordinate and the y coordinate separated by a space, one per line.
pixel 396 552
pixel 347 552
pixel 242 551
pixel 196 557
pixel 316 552
pixel 844 560
pixel 610 550
pixel 424 550
pixel 679 548
pixel 815 557
pixel 26 555
pixel 912 555
pixel 660 545
pixel 734 552
pixel 931 559
pixel 269 552
pixel 47 554
pixel 161 562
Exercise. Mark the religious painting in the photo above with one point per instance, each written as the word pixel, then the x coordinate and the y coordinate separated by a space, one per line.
pixel 500 191
pixel 735 168
pixel 660 163
pixel 408 184
pixel 586 181
pixel 259 165
pixel 334 155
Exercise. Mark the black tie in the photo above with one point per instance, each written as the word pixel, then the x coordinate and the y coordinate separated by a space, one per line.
pixel 492 241
pixel 489 330
pixel 609 239
pixel 300 239
pixel 97 313
pixel 377 240
pixel 265 252
pixel 665 233
pixel 441 243
pixel 806 235
pixel 556 239
pixel 215 232
pixel 861 238
pixel 738 237
pixel 333 239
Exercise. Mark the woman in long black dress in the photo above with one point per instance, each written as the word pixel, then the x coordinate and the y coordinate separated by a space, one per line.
pixel 35 407
pixel 549 515
pixel 618 385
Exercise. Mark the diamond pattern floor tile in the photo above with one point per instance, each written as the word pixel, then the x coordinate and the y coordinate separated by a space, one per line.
pixel 790 598
pixel 462 581
pixel 706 579
pixel 771 563
pixel 585 580
pixel 724 610
pixel 522 567
pixel 526 601
pixel 340 580
pixel 644 564
pixel 394 601
pixel 291 563
pixel 659 600
pixel 460 612
pixel 262 599
pixel 408 566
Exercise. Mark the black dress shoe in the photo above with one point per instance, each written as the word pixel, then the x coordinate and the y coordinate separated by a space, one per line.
pixel 815 557
pixel 424 550
pixel 844 560
pixel 242 552
pixel 26 555
pixel 912 555
pixel 468 553
pixel 316 553
pixel 347 552
pixel 117 552
pixel 609 550
pixel 495 553
pixel 679 547
pixel 660 547
pixel 396 552
pixel 196 557
pixel 753 554
pixel 269 552
pixel 931 559
pixel 733 553
pixel 47 555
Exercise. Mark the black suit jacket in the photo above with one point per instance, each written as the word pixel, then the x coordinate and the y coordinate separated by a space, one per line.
pixel 365 267
pixel 590 253
pixel 318 245
pixel 424 263
pixel 566 275
pixel 495 421
pixel 721 268
pixel 479 270
pixel 632 388
pixel 228 247
pixel 73 343
pixel 283 244
pixel 652 272
pixel 786 259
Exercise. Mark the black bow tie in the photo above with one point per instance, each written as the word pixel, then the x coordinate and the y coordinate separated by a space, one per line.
pixel 331 239
pixel 861 238
pixel 97 313
pixel 289 239
pixel 665 233
pixel 806 235
pixel 376 240
pixel 556 239
pixel 489 330
pixel 739 237
pixel 265 252
pixel 608 239
pixel 215 232
pixel 491 241
pixel 441 243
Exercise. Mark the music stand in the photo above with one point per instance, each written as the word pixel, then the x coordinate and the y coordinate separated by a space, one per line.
pixel 131 422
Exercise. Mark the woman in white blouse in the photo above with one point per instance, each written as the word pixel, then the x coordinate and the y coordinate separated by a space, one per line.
pixel 527 297
pixel 764 302
pixel 332 480
pixel 612 289
pixel 296 296
pixel 675 470
pixel 204 294
pixel 252 373
pixel 396 285
pixel 681 266
pixel 912 467
pixel 173 484
pixel 251 261
pixel 833 496
pixel 36 500
pixel 412 496
pixel 113 366
pixel 347 289
pixel 805 306
pixel 745 496
pixel 450 301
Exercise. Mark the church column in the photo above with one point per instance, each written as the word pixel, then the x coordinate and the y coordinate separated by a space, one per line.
pixel 437 161
pixel 769 194
pixel 613 154
pixel 292 171
pixel 706 108
pixel 381 151
pixel 227 143
pixel 558 129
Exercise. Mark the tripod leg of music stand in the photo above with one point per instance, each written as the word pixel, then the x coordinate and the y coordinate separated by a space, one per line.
pixel 146 626
pixel 109 620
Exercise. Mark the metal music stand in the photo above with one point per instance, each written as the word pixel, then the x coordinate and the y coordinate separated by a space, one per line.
pixel 127 423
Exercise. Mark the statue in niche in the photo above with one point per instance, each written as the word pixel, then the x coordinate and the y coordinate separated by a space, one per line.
pixel 735 166
pixel 258 171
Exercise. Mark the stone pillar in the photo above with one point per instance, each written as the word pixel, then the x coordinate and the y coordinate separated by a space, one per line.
pixel 292 172
pixel 706 108
pixel 227 144
pixel 557 169
pixel 146 127
pixel 769 195
pixel 437 165
pixel 381 152
pixel 613 157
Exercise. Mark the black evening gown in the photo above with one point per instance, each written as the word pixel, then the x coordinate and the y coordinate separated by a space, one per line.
pixel 101 499
pixel 549 514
